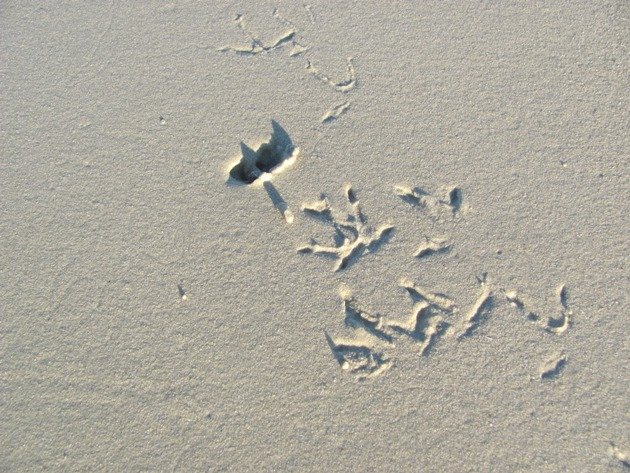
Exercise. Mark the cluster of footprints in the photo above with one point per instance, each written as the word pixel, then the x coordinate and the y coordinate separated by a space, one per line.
pixel 292 40
pixel 433 316
pixel 352 235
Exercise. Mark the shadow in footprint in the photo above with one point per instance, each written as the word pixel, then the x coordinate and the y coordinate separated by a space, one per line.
pixel 372 324
pixel 270 158
pixel 384 237
pixel 246 170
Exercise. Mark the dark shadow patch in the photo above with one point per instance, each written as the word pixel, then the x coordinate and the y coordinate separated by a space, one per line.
pixel 246 170
pixel 384 237
pixel 267 158
pixel 277 199
pixel 434 338
pixel 478 316
pixel 455 199
pixel 428 251
pixel 356 318
pixel 554 370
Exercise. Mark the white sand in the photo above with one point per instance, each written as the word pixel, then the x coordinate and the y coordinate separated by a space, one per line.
pixel 118 125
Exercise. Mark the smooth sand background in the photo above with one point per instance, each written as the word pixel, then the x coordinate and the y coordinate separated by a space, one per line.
pixel 105 209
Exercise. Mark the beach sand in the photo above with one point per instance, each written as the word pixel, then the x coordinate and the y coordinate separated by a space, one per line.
pixel 420 264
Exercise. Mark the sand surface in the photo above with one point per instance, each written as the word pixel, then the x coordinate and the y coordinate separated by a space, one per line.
pixel 463 306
